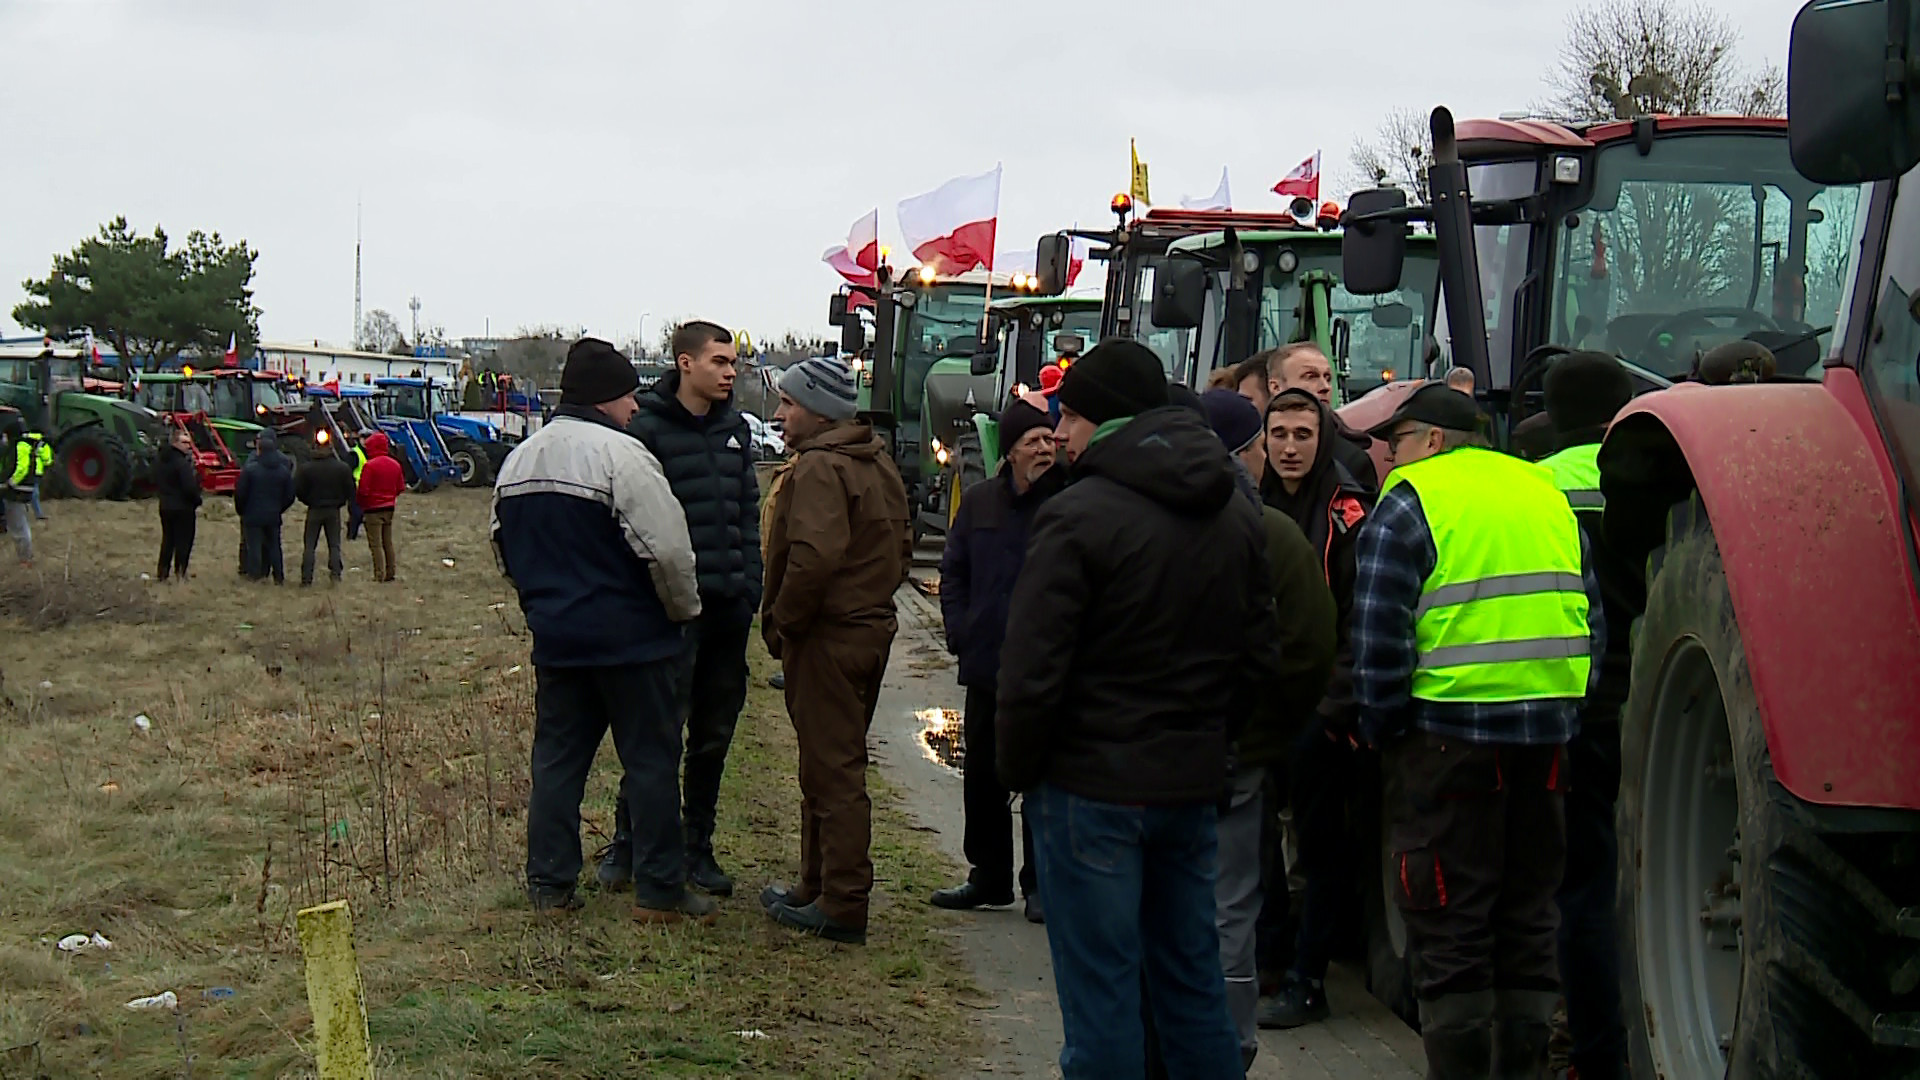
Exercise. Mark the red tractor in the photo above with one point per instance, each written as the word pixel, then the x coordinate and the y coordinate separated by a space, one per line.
pixel 212 458
pixel 1769 805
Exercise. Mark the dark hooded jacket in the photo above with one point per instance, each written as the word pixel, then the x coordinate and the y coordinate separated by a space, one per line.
pixel 176 483
pixel 324 482
pixel 708 461
pixel 986 546
pixel 1143 625
pixel 1329 507
pixel 265 488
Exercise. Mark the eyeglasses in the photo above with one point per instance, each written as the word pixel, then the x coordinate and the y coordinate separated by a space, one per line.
pixel 1394 438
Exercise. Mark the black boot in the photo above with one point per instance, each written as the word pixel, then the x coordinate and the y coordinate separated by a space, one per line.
pixel 1522 1027
pixel 616 864
pixel 704 873
pixel 1457 1031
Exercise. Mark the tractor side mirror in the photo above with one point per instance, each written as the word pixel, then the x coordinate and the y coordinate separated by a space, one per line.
pixel 1373 252
pixel 1179 294
pixel 1847 121
pixel 837 309
pixel 1393 316
pixel 853 336
pixel 1053 257
pixel 985 362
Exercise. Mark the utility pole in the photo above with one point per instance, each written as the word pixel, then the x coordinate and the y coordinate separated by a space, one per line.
pixel 414 303
pixel 359 325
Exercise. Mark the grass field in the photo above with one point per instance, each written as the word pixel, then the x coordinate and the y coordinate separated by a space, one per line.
pixel 369 742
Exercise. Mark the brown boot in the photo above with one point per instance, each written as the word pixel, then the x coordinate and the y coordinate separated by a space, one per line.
pixel 689 907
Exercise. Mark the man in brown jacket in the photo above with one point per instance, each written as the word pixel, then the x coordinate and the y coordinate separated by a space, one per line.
pixel 838 547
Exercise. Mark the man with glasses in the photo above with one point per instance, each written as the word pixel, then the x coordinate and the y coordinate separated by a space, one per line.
pixel 1476 621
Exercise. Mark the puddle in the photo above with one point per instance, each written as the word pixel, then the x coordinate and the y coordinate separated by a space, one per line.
pixel 940 737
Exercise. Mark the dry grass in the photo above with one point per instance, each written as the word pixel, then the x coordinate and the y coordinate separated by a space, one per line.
pixel 370 742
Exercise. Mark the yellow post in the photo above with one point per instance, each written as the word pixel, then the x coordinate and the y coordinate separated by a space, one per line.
pixel 334 993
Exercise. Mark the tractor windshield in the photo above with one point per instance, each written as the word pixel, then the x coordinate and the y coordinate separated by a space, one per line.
pixel 1708 239
pixel 1379 351
pixel 944 321
pixel 407 402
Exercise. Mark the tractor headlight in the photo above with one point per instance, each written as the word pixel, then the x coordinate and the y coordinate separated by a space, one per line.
pixel 940 453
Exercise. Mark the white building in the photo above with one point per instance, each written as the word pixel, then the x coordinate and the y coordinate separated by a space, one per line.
pixel 321 363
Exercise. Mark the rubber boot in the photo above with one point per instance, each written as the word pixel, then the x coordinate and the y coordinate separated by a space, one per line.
pixel 1522 1027
pixel 1457 1030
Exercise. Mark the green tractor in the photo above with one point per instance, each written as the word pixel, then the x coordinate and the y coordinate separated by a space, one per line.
pixel 1243 292
pixel 1030 333
pixel 103 445
pixel 199 392
pixel 922 382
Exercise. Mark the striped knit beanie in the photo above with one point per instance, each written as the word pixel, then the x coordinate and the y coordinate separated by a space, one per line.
pixel 823 385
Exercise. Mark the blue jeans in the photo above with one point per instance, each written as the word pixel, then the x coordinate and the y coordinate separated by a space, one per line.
pixel 1130 891
pixel 36 504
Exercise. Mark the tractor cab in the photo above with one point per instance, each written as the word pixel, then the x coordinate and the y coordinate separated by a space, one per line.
pixel 1246 292
pixel 474 445
pixel 1654 239
pixel 403 410
pixel 1029 333
pixel 104 444
pixel 187 394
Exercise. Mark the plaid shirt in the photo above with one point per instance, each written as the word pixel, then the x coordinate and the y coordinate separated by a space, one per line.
pixel 1394 555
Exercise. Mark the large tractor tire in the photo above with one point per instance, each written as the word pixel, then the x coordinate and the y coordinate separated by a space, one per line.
pixel 1761 937
pixel 471 462
pixel 92 463
pixel 496 455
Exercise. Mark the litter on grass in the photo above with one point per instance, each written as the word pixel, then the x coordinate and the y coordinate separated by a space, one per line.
pixel 165 1000
pixel 84 942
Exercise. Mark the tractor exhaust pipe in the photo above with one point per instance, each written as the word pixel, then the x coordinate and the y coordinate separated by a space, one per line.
pixel 1452 204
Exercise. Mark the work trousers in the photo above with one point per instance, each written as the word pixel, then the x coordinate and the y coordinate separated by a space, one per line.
pixel 176 541
pixel 833 686
pixel 263 552
pixel 354 518
pixel 379 525
pixel 989 805
pixel 1236 894
pixel 1589 958
pixel 709 694
pixel 1131 904
pixel 20 527
pixel 573 710
pixel 1477 832
pixel 321 522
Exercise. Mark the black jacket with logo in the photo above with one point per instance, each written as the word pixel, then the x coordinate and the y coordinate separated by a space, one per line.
pixel 1143 627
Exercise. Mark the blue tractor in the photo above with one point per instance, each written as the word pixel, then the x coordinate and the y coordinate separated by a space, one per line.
pixel 424 458
pixel 475 446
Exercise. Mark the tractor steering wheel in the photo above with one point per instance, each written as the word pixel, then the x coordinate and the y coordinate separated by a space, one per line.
pixel 1672 324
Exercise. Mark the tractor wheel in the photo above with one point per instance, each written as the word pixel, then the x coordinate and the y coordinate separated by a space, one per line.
pixel 471 463
pixel 1384 929
pixel 496 455
pixel 94 464
pixel 1760 935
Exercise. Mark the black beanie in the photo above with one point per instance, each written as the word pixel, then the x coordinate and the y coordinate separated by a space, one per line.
pixel 1586 390
pixel 1017 419
pixel 595 374
pixel 1116 378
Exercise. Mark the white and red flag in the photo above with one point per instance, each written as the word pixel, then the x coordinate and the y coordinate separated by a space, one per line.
pixel 951 228
pixel 1303 181
pixel 855 274
pixel 232 356
pixel 863 241
pixel 1221 199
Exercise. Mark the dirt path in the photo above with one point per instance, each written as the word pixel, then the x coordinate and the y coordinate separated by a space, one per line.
pixel 1020 1024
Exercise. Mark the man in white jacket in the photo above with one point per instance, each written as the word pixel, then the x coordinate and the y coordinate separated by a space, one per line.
pixel 587 529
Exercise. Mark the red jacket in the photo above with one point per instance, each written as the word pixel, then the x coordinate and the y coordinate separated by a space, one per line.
pixel 381 481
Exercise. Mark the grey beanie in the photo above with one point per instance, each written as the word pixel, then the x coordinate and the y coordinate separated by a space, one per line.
pixel 822 385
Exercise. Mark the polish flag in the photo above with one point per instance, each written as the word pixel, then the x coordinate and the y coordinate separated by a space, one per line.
pixel 1303 181
pixel 1028 261
pixel 844 264
pixel 232 357
pixel 863 242
pixel 951 228
pixel 93 351
pixel 1221 199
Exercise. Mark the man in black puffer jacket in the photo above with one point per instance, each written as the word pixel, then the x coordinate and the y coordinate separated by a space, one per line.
pixel 687 420
pixel 1140 635
pixel 326 485
pixel 261 496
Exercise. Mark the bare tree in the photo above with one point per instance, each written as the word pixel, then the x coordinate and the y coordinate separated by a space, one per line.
pixel 1626 58
pixel 379 332
pixel 1397 154
pixel 534 356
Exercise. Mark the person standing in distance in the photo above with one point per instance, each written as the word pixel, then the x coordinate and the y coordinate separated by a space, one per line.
pixel 587 529
pixel 986 547
pixel 1476 617
pixel 688 421
pixel 325 484
pixel 839 545
pixel 1130 665
pixel 377 492
pixel 176 486
pixel 261 497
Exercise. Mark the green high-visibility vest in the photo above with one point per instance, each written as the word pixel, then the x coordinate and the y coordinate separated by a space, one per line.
pixel 1576 471
pixel 1503 615
pixel 359 462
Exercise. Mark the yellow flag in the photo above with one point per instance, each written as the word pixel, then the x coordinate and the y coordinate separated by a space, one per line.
pixel 1138 189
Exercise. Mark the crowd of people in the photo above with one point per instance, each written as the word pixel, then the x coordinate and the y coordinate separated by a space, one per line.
pixel 1175 615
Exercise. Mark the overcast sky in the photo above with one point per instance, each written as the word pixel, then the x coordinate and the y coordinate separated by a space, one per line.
pixel 584 164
